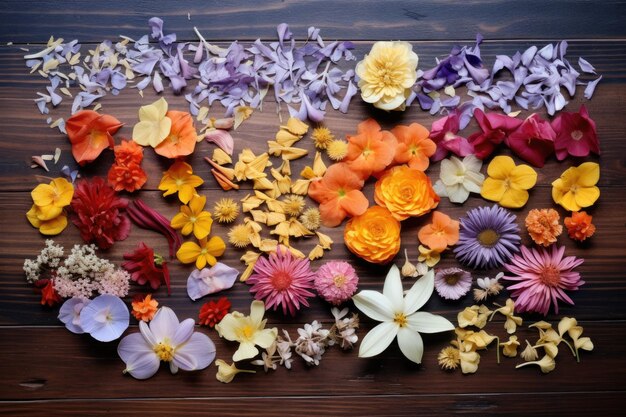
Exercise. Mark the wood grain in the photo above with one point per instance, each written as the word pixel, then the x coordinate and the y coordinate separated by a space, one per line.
pixel 48 370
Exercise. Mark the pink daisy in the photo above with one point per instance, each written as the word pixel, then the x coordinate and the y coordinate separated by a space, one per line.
pixel 282 280
pixel 336 281
pixel 542 276
pixel 452 283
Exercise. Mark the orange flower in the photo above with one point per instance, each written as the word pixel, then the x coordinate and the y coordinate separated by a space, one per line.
pixel 579 226
pixel 405 192
pixel 543 226
pixel 182 138
pixel 371 150
pixel 144 309
pixel 339 194
pixel 414 146
pixel 127 177
pixel 128 152
pixel 90 134
pixel 374 235
pixel 441 233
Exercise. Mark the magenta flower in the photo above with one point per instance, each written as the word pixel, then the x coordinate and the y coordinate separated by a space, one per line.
pixel 495 128
pixel 542 275
pixel 575 134
pixel 336 281
pixel 444 133
pixel 282 280
pixel 533 140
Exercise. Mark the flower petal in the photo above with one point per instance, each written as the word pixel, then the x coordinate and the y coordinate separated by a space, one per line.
pixel 493 189
pixel 586 196
pixel 392 289
pixel 419 293
pixel 197 353
pixel 411 344
pixel 183 332
pixel 424 322
pixel 523 177
pixel 374 305
pixel 378 339
pixel 500 167
pixel 513 198
pixel 246 351
pixel 265 337
pixel 588 174
pixel 164 324
pixel 143 366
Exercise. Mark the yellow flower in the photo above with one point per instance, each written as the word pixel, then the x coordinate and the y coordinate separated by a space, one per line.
pixel 449 358
pixel 179 178
pixel 322 136
pixel 50 227
pixel 529 353
pixel 203 252
pixel 430 256
pixel 512 321
pixel 226 373
pixel 51 198
pixel 508 183
pixel 337 149
pixel 193 219
pixel 387 74
pixel 510 348
pixel 576 188
pixel 153 126
pixel 226 210
pixel 468 357
pixel 473 316
pixel 547 364
pixel 249 331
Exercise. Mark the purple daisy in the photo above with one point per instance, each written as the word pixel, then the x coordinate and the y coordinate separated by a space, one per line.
pixel 452 283
pixel 282 280
pixel 488 238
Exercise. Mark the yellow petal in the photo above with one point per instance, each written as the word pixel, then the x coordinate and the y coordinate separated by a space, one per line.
pixel 262 184
pixel 64 191
pixel 197 203
pixel 179 221
pixel 201 261
pixel 493 189
pixel 296 126
pixel 300 187
pixel 568 201
pixel 220 157
pixel 216 246
pixel 587 196
pixel 513 198
pixel 202 226
pixel 286 138
pixel 588 174
pixel 188 252
pixel 31 215
pixel 53 226
pixel 500 167
pixel 242 113
pixel 523 177
pixel 154 111
pixel 324 240
pixel 43 195
pixel 151 133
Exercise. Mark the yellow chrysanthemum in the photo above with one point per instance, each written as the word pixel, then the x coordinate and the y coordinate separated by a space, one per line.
pixel 226 210
pixel 576 188
pixel 508 183
pixel 387 74
pixel 179 179
pixel 192 218
pixel 322 136
pixel 337 150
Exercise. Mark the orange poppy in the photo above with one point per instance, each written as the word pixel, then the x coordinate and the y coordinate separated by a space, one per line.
pixel 371 150
pixel 441 233
pixel 90 133
pixel 182 138
pixel 339 194
pixel 414 146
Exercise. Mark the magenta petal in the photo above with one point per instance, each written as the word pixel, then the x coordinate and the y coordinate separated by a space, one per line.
pixel 221 138
pixel 458 145
pixel 533 140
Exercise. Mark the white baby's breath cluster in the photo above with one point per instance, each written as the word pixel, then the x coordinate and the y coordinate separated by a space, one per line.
pixel 48 259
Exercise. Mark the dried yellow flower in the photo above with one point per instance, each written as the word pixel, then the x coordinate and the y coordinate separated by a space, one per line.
pixel 322 136
pixel 226 210
pixel 449 358
pixel 220 157
pixel 507 310
pixel 529 353
pixel 316 253
pixel 509 348
pixel 337 150
pixel 239 236
pixel 296 126
pixel 547 364
pixel 324 240
pixel 293 205
pixel 249 258
pixel 311 218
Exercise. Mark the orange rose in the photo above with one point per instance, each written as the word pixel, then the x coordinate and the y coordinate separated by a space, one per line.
pixel 374 235
pixel 405 192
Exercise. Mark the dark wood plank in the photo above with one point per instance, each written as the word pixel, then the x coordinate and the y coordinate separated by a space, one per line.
pixel 48 363
pixel 354 20
pixel 540 404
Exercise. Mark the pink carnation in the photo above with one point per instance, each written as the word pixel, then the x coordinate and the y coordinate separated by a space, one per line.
pixel 336 282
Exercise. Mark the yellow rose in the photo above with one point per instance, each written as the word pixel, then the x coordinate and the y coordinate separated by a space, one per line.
pixel 374 235
pixel 405 192
pixel 387 74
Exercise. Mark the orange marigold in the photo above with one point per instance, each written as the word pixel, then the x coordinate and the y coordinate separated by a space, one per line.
pixel 374 235
pixel 579 226
pixel 128 152
pixel 441 233
pixel 405 192
pixel 543 226
pixel 144 308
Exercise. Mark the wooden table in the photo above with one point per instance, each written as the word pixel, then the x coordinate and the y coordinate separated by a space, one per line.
pixel 48 370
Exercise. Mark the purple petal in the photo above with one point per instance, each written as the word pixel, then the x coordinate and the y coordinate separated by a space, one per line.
pixel 591 87
pixel 586 66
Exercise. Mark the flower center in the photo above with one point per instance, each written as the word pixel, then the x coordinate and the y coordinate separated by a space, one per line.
pixel 415 150
pixel 452 279
pixel 550 276
pixel 400 318
pixel 164 351
pixel 281 280
pixel 407 192
pixel 173 139
pixel 192 219
pixel 577 135
pixel 386 74
pixel 366 152
pixel 247 331
pixel 488 237
pixel 179 182
pixel 339 280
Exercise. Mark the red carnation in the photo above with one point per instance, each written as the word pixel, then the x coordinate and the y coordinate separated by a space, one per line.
pixel 213 312
pixel 99 213
pixel 146 267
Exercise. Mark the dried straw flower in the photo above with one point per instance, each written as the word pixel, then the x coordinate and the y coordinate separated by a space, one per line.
pixel 293 205
pixel 337 150
pixel 322 136
pixel 239 236
pixel 226 210
pixel 311 218
pixel 449 358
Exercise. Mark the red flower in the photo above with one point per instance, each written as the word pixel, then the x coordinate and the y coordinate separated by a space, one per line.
pixel 127 177
pixel 98 213
pixel 575 134
pixel 49 295
pixel 128 152
pixel 213 312
pixel 444 133
pixel 495 127
pixel 147 268
pixel 533 140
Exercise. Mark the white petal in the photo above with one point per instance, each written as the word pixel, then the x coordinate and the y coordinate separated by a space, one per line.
pixel 143 366
pixel 164 324
pixel 257 310
pixel 440 189
pixel 392 289
pixel 457 193
pixel 147 333
pixel 246 351
pixel 133 345
pixel 378 339
pixel 428 323
pixel 266 337
pixel 472 163
pixel 183 333
pixel 448 173
pixel 374 305
pixel 419 293
pixel 197 353
pixel 411 344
